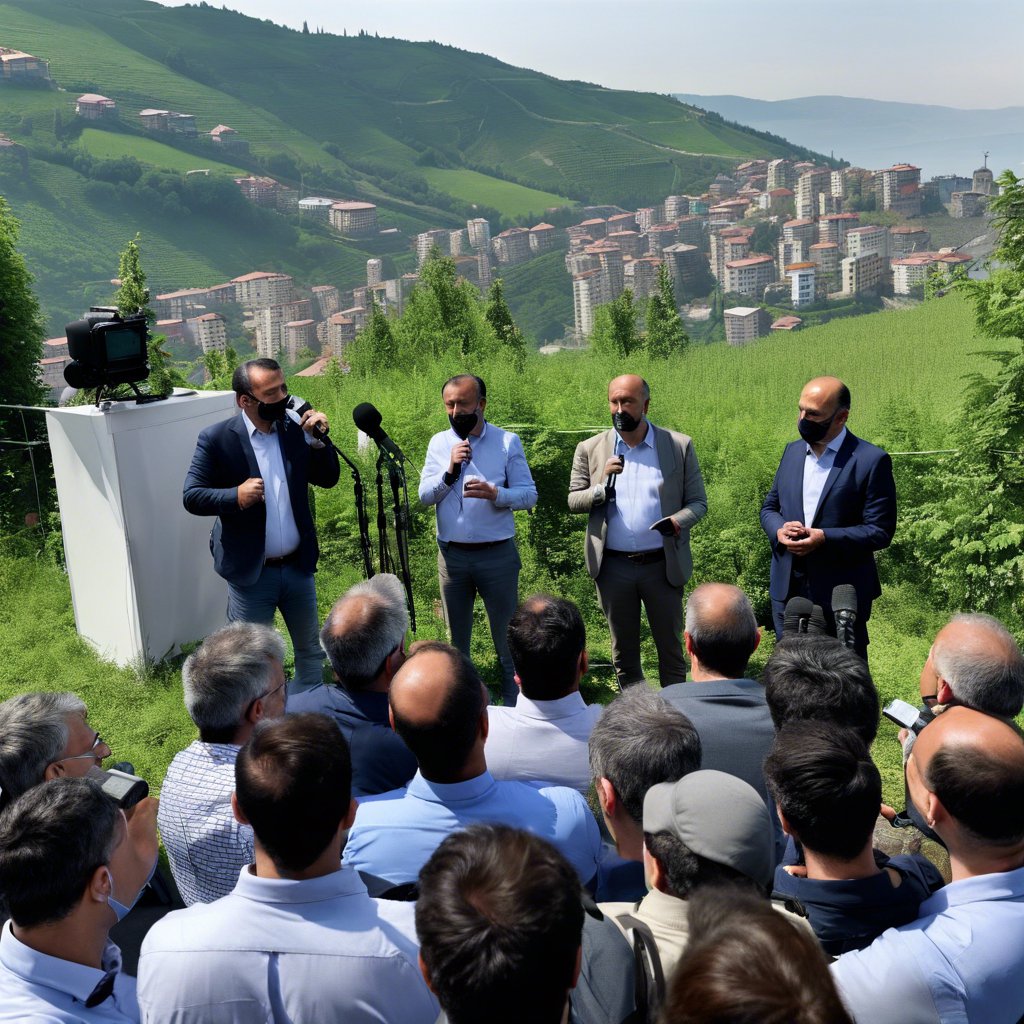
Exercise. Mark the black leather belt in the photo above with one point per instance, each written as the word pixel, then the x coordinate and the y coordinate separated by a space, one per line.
pixel 278 560
pixel 638 557
pixel 477 547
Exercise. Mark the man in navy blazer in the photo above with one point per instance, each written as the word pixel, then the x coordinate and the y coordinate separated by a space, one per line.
pixel 831 507
pixel 252 472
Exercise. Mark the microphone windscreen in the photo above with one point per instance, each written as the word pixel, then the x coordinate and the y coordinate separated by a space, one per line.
pixel 844 598
pixel 796 608
pixel 368 419
pixel 817 626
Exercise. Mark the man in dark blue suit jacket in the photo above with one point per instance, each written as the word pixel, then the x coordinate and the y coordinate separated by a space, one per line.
pixel 252 472
pixel 831 507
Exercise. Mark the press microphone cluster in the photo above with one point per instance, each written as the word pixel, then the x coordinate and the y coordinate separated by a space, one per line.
pixel 368 419
pixel 803 618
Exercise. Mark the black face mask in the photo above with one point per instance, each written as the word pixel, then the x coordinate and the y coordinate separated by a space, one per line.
pixel 813 431
pixel 271 411
pixel 624 423
pixel 463 423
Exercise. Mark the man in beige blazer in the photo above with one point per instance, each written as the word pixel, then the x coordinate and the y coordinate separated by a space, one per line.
pixel 642 488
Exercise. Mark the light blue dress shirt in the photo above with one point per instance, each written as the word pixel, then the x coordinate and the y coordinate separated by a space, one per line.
pixel 498 458
pixel 637 497
pixel 542 740
pixel 206 846
pixel 37 987
pixel 395 833
pixel 960 962
pixel 282 536
pixel 816 471
pixel 278 951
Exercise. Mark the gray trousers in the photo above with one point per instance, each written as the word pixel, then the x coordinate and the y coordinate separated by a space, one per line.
pixel 493 573
pixel 622 586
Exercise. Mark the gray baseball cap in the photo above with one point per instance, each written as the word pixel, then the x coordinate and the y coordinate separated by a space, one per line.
pixel 717 816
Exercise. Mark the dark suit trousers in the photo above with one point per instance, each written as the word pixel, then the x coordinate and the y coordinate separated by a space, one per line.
pixel 622 586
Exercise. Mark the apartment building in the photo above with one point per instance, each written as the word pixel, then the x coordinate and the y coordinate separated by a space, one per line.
pixel 745 323
pixel 589 290
pixel 801 277
pixel 263 288
pixel 326 300
pixel 833 227
pixel 91 106
pixel 542 237
pixel 341 330
pixel 354 218
pixel 809 186
pixel 686 264
pixel 749 276
pixel 968 204
pixel 210 332
pixel 899 189
pixel 868 239
pixel 425 242
pixel 316 208
pixel 863 273
pixel 780 175
pixel 907 239
pixel 479 232
pixel 641 275
pixel 676 207
pixel 825 256
pixel 18 66
pixel 660 235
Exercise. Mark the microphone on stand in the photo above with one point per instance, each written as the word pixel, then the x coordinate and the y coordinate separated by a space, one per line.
pixel 368 419
pixel 803 618
pixel 844 608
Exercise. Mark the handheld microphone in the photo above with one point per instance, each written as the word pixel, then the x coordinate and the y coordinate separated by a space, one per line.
pixel 844 608
pixel 803 618
pixel 609 487
pixel 296 409
pixel 368 419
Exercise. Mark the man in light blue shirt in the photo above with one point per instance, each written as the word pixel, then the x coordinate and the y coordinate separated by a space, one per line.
pixel 475 474
pixel 439 707
pixel 544 737
pixel 962 960
pixel 71 867
pixel 299 939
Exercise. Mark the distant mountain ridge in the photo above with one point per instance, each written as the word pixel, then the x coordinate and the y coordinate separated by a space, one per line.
pixel 878 133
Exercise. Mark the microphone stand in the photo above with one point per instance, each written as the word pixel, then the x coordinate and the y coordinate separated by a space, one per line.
pixel 386 561
pixel 400 501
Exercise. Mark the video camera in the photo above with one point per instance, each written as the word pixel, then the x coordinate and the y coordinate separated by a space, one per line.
pixel 121 784
pixel 106 349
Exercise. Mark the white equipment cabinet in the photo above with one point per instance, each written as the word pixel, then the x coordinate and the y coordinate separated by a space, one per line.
pixel 142 579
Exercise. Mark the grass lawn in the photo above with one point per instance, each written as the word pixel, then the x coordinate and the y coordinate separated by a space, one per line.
pixel 511 199
pixel 113 145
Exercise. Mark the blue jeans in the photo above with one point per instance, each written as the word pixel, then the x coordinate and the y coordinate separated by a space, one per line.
pixel 493 573
pixel 294 592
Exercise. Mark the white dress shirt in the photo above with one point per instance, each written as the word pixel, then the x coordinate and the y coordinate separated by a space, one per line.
pixel 542 741
pixel 206 846
pixel 637 503
pixel 38 987
pixel 498 458
pixel 816 471
pixel 278 951
pixel 282 536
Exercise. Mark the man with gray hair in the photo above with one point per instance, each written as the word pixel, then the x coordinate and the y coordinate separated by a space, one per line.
pixel 975 663
pixel 233 680
pixel 638 742
pixel 364 639
pixel 45 736
pixel 728 710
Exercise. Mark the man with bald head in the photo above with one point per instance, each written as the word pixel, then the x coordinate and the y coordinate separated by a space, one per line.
pixel 642 488
pixel 963 958
pixel 439 708
pixel 364 640
pixel 831 507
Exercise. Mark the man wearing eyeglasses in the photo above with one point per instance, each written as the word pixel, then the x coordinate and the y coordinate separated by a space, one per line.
pixel 45 736
pixel 252 471
pixel 233 680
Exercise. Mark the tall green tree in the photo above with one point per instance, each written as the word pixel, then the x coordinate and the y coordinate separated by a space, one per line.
pixel 616 327
pixel 499 316
pixel 132 294
pixel 376 348
pixel 967 534
pixel 665 335
pixel 22 328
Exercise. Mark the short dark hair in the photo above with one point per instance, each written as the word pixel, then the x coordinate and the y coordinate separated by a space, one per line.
pixel 828 787
pixel 688 871
pixel 52 840
pixel 442 746
pixel 641 740
pixel 500 922
pixel 293 782
pixel 747 964
pixel 842 397
pixel 546 638
pixel 984 793
pixel 240 382
pixel 722 642
pixel 816 677
pixel 481 387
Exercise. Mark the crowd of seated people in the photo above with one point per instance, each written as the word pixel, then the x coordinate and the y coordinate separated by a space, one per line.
pixel 390 847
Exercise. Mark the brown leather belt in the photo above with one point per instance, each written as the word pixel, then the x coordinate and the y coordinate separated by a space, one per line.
pixel 278 560
pixel 477 547
pixel 638 557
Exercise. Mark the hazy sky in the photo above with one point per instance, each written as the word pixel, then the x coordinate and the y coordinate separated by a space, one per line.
pixel 952 52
